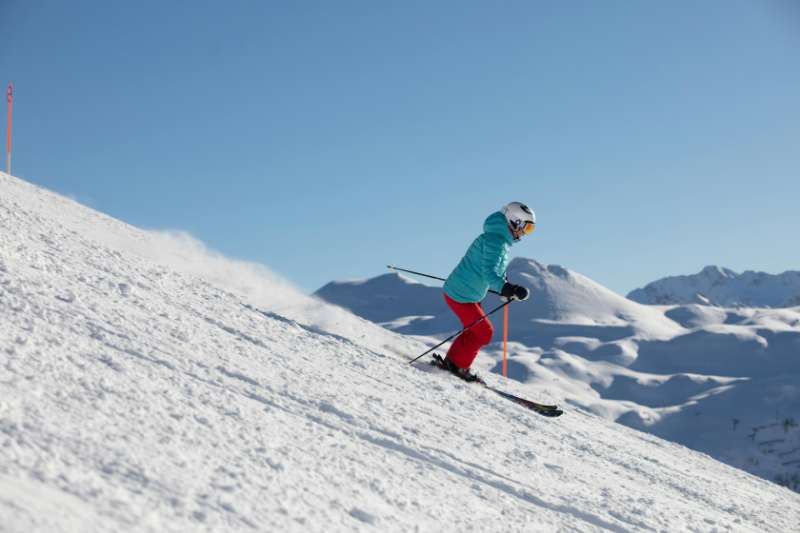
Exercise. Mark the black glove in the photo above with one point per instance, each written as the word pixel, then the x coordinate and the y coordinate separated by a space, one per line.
pixel 518 292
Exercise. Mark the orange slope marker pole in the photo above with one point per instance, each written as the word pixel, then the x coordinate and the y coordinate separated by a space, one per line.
pixel 10 100
pixel 505 341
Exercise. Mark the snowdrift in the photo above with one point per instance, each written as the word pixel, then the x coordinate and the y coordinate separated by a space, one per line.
pixel 138 397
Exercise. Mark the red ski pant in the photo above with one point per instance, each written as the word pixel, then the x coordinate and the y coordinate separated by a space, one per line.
pixel 465 348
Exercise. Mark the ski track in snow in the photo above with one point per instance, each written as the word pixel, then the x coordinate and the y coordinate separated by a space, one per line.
pixel 137 398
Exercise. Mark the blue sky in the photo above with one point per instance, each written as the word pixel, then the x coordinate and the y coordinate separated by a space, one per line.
pixel 327 139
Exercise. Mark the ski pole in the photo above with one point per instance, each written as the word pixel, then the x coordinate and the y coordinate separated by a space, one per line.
pixel 10 100
pixel 392 267
pixel 456 334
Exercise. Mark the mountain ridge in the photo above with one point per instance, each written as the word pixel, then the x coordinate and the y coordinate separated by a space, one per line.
pixel 723 287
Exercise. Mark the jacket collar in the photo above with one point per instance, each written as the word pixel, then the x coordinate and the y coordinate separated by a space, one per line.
pixel 497 223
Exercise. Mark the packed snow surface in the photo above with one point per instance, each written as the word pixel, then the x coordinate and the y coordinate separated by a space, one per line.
pixel 136 395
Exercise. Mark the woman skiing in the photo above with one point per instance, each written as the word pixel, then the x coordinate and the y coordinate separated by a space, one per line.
pixel 482 268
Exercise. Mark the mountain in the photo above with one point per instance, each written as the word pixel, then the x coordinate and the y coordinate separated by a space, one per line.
pixel 723 287
pixel 138 396
pixel 392 300
pixel 681 372
pixel 564 300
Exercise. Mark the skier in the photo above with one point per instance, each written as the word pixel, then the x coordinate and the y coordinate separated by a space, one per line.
pixel 483 267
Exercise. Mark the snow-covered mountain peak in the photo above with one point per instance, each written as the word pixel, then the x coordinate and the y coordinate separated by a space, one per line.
pixel 387 281
pixel 532 267
pixel 383 297
pixel 724 287
pixel 563 296
pixel 558 270
pixel 717 272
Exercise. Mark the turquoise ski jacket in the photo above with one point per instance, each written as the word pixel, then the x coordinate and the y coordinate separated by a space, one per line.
pixel 483 267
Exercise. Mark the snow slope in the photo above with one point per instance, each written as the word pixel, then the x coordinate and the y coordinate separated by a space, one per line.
pixel 724 287
pixel 137 397
pixel 684 373
pixel 178 251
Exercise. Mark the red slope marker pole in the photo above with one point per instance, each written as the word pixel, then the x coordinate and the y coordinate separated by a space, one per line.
pixel 505 341
pixel 10 100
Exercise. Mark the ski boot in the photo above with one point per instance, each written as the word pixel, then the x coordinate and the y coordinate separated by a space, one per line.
pixel 462 373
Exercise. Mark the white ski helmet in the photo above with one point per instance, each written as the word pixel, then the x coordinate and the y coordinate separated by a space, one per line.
pixel 520 217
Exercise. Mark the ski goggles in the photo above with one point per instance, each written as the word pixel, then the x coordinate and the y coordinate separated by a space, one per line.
pixel 528 228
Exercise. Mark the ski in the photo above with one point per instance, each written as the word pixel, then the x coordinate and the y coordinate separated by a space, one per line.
pixel 551 411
